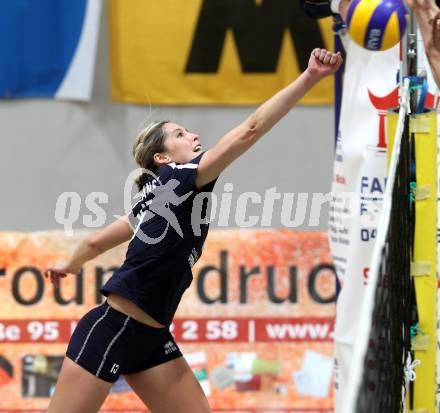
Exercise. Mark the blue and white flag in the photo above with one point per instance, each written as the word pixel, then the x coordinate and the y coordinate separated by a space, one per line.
pixel 48 48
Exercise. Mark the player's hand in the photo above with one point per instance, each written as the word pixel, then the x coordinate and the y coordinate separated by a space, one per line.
pixel 323 63
pixel 435 24
pixel 57 271
pixel 422 5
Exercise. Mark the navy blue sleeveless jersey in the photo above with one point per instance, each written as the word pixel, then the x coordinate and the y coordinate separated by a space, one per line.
pixel 170 225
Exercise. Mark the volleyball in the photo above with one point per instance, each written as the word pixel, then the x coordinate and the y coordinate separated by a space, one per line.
pixel 376 24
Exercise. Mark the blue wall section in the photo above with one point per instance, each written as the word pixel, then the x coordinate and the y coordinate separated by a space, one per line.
pixel 38 39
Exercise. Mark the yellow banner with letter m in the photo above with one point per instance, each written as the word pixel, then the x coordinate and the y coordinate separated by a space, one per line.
pixel 212 52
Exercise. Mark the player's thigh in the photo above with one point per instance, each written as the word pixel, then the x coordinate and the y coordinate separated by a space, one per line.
pixel 77 390
pixel 170 387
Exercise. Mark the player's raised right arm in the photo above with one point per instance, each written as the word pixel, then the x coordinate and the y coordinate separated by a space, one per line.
pixel 241 138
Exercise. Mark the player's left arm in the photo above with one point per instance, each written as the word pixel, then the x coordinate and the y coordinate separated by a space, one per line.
pixel 93 245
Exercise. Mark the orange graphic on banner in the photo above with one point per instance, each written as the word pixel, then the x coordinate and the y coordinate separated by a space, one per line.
pixel 256 325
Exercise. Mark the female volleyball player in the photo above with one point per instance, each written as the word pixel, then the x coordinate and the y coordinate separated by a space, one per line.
pixel 129 333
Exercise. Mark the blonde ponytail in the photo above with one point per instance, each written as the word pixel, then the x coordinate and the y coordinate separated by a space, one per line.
pixel 149 141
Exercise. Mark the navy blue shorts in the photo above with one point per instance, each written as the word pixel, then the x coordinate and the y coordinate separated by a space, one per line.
pixel 108 343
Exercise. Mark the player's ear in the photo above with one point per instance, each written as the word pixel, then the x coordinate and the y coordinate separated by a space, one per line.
pixel 161 159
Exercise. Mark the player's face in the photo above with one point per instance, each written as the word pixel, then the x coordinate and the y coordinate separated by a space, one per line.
pixel 181 145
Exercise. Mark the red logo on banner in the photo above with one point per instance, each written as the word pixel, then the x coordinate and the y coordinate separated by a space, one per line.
pixel 384 103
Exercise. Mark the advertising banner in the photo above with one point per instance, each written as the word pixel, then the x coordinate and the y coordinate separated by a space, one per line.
pixel 256 325
pixel 210 52
pixel 360 173
pixel 48 48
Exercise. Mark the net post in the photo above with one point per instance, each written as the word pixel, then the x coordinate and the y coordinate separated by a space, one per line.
pixel 424 130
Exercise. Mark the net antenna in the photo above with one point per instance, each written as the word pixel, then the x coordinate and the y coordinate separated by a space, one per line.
pixel 381 355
